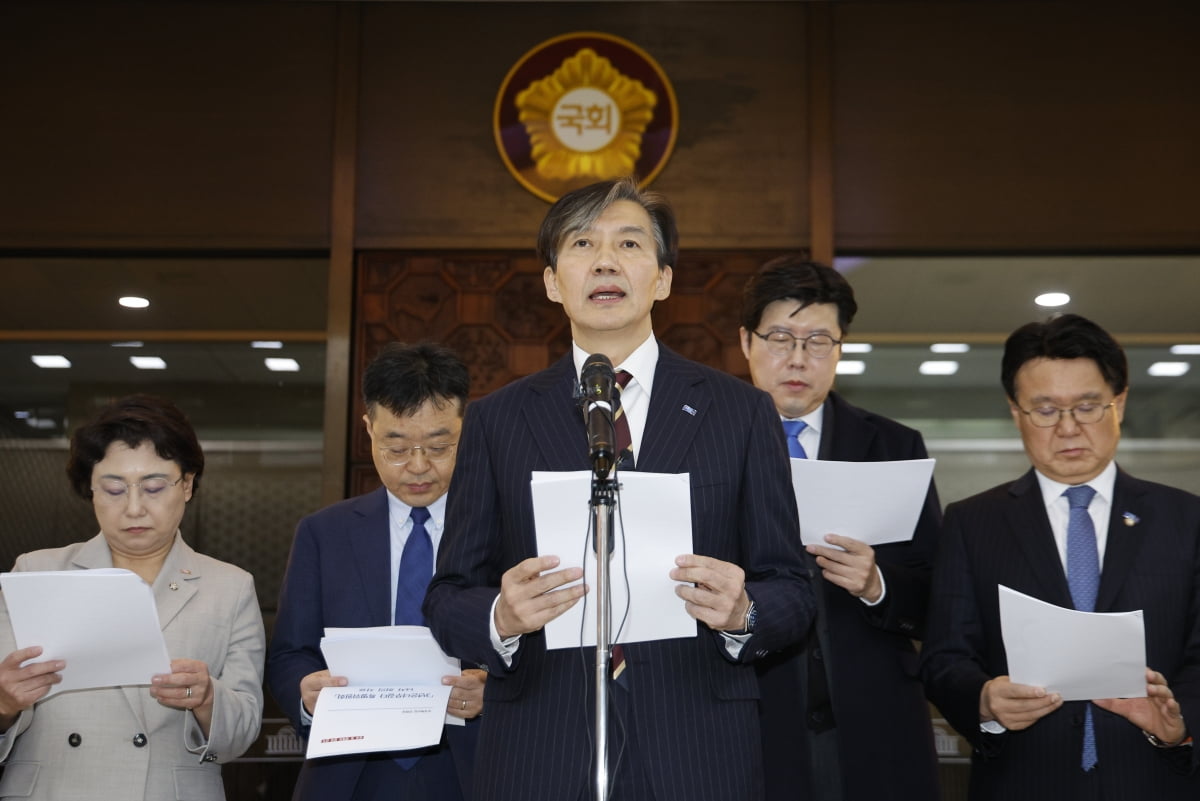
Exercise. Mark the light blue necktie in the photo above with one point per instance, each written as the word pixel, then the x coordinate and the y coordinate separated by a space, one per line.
pixel 416 568
pixel 1083 577
pixel 791 430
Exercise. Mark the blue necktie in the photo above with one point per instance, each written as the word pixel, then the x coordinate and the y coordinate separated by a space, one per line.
pixel 416 568
pixel 791 430
pixel 1083 576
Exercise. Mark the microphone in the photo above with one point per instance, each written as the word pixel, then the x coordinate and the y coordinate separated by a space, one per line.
pixel 597 379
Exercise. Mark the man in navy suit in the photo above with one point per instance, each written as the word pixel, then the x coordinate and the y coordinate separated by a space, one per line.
pixel 346 569
pixel 684 721
pixel 857 671
pixel 1048 534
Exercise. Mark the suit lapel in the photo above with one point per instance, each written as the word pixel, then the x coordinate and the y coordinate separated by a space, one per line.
pixel 552 416
pixel 370 538
pixel 1031 529
pixel 678 406
pixel 1124 541
pixel 846 437
pixel 177 582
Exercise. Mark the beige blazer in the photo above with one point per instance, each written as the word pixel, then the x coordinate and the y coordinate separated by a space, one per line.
pixel 119 742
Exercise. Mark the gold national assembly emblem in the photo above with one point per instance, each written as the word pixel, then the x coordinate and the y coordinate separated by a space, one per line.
pixel 581 108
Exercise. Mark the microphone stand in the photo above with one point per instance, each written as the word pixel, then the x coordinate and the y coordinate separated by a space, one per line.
pixel 603 501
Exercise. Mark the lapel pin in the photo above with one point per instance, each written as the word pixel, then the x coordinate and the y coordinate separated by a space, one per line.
pixel 689 410
pixel 1131 519
pixel 173 585
pixel 185 571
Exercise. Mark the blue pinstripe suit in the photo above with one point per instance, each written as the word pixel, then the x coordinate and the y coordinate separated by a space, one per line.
pixel 1003 536
pixel 693 708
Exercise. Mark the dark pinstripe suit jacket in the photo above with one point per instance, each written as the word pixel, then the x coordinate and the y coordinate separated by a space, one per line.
pixel 866 652
pixel 695 710
pixel 1003 536
pixel 339 575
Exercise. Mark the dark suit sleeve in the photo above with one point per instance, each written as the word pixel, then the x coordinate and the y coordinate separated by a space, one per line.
pixel 296 642
pixel 769 535
pixel 953 658
pixel 458 605
pixel 1185 683
pixel 907 567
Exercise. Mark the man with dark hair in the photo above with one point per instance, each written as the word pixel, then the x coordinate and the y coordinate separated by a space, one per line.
pixel 684 720
pixel 1078 532
pixel 366 562
pixel 857 670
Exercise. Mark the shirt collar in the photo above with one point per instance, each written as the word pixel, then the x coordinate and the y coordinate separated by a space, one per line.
pixel 814 419
pixel 1103 484
pixel 640 364
pixel 399 510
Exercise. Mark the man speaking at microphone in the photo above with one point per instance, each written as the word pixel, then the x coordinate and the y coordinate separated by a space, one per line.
pixel 684 720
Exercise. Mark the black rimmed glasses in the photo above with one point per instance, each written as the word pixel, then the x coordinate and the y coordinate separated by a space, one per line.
pixel 399 457
pixel 782 343
pixel 1084 413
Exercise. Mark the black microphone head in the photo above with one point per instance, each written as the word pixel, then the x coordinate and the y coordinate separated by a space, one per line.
pixel 597 377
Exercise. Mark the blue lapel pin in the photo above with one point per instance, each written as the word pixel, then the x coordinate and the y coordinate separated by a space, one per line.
pixel 689 410
pixel 1131 519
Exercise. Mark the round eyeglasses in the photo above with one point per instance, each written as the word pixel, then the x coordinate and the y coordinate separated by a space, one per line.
pixel 782 343
pixel 114 490
pixel 1084 413
pixel 398 457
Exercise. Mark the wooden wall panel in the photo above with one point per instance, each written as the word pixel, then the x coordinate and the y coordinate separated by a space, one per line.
pixel 491 307
pixel 1016 126
pixel 430 175
pixel 147 124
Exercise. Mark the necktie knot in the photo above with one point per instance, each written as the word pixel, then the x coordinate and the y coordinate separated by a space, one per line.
pixel 1080 497
pixel 791 432
pixel 792 428
pixel 623 379
pixel 419 515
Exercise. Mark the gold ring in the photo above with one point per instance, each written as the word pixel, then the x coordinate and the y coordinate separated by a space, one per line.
pixel 464 703
pixel 188 693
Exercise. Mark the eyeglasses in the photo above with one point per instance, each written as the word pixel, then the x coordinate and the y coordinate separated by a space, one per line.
pixel 398 457
pixel 782 343
pixel 1083 413
pixel 114 490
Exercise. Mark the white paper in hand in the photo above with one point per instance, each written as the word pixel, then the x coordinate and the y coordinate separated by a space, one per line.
pixel 1080 655
pixel 102 622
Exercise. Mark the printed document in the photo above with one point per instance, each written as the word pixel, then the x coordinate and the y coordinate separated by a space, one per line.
pixel 395 699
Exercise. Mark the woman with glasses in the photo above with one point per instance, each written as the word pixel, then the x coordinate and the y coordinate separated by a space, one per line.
pixel 139 463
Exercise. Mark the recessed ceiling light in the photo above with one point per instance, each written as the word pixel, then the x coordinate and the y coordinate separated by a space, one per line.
pixel 851 367
pixel 266 344
pixel 133 302
pixel 1168 369
pixel 1185 350
pixel 130 344
pixel 857 347
pixel 283 365
pixel 938 368
pixel 148 363
pixel 950 347
pixel 51 362
pixel 1052 300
